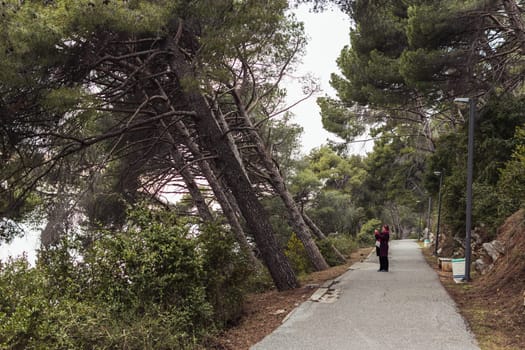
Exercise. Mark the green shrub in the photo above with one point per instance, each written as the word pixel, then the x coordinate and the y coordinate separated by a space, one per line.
pixel 227 273
pixel 259 281
pixel 326 248
pixel 154 286
pixel 296 253
pixel 511 185
pixel 21 305
pixel 344 243
pixel 366 238
pixel 153 264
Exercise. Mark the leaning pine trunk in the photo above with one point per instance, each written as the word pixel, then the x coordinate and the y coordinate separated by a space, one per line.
pixel 216 187
pixel 257 219
pixel 317 231
pixel 296 218
pixel 187 177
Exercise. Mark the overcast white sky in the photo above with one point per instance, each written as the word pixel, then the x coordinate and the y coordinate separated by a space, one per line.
pixel 28 244
pixel 328 33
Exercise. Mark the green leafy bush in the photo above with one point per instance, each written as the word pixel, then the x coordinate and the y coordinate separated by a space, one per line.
pixel 226 273
pixel 511 185
pixel 157 285
pixel 296 253
pixel 326 249
pixel 259 281
pixel 366 237
pixel 346 244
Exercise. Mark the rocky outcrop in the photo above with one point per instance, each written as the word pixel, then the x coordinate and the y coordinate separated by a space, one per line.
pixel 482 267
pixel 494 249
pixel 490 253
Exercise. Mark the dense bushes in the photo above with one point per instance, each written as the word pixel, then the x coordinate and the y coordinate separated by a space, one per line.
pixel 296 254
pixel 227 274
pixel 511 185
pixel 154 286
pixel 366 235
pixel 326 247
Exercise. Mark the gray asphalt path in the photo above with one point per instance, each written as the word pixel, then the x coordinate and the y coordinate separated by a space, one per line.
pixel 406 308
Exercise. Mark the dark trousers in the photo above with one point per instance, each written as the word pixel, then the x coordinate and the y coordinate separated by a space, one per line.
pixel 383 263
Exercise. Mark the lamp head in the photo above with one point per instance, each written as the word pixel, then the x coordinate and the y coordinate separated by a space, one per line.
pixel 461 100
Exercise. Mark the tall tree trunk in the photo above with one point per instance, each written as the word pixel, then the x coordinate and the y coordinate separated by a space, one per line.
pixel 277 181
pixel 313 227
pixel 220 194
pixel 257 220
pixel 317 231
pixel 228 205
pixel 216 186
pixel 208 173
pixel 193 188
pixel 187 177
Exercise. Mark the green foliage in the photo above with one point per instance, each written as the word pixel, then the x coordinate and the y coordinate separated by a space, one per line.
pixel 406 59
pixel 152 286
pixel 366 236
pixel 71 57
pixel 227 273
pixel 485 207
pixel 106 209
pixel 339 120
pixel 329 185
pixel 497 137
pixel 279 222
pixel 344 243
pixel 495 194
pixel 305 183
pixel 296 253
pixel 334 212
pixel 326 248
pixel 19 308
pixel 394 174
pixel 453 202
pixel 419 66
pixel 284 136
pixel 260 281
pixel 511 185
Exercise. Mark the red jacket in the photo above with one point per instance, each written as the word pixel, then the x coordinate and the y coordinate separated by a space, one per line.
pixel 384 236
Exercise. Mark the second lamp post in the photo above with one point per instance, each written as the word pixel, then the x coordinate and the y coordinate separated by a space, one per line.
pixel 440 174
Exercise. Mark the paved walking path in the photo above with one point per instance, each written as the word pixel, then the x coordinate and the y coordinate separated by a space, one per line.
pixel 406 308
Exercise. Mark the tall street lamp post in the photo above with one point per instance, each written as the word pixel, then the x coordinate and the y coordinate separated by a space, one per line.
pixel 428 216
pixel 440 174
pixel 420 209
pixel 470 161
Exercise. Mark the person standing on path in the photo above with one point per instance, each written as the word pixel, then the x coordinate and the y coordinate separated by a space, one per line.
pixel 384 237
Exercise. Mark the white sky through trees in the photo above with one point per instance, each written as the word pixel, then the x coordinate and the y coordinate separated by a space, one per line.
pixel 328 33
